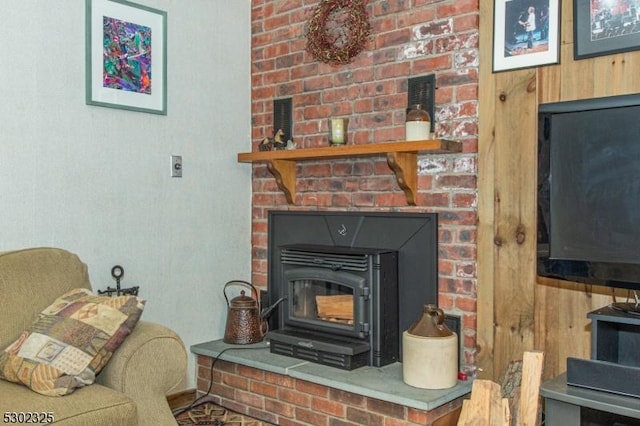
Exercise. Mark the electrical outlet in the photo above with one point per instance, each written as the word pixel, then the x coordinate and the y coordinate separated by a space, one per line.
pixel 176 166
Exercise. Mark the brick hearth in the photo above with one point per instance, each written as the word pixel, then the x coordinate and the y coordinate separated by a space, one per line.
pixel 288 391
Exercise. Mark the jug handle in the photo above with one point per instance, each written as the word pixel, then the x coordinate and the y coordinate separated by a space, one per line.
pixel 254 291
pixel 440 317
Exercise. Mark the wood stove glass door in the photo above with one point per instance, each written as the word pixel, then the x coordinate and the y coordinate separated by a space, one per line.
pixel 325 300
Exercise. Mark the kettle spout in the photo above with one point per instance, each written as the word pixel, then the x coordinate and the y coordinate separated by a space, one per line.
pixel 266 312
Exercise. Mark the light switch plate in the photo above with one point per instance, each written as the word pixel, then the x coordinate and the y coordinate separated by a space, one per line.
pixel 176 166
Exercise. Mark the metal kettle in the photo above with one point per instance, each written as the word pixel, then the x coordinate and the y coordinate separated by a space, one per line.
pixel 246 323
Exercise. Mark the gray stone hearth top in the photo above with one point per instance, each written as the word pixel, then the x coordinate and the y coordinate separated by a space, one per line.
pixel 384 383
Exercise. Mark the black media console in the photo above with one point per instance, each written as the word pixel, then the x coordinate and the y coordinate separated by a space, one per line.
pixel 615 354
pixel 605 389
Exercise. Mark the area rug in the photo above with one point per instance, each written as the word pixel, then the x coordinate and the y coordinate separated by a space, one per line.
pixel 209 413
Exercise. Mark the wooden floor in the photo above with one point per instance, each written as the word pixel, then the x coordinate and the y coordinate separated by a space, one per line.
pixel 181 399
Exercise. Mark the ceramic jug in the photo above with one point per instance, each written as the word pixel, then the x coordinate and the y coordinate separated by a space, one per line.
pixel 430 352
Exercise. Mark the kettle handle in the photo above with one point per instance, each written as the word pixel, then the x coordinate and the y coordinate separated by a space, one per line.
pixel 254 291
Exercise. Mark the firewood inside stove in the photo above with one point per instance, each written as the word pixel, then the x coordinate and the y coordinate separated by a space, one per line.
pixel 337 308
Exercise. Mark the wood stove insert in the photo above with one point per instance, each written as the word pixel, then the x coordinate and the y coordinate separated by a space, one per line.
pixel 341 306
pixel 413 236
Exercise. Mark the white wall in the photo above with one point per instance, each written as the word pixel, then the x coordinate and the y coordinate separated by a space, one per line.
pixel 96 181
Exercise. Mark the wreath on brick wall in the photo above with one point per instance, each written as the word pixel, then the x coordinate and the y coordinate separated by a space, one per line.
pixel 337 31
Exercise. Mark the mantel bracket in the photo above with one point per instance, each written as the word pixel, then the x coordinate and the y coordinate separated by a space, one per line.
pixel 285 173
pixel 405 167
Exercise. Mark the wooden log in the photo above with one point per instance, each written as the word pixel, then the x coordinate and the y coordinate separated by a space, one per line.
pixel 532 363
pixel 465 413
pixel 510 383
pixel 338 307
pixel 506 412
pixel 485 407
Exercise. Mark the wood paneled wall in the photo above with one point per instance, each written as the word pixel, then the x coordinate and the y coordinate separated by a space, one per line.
pixel 516 310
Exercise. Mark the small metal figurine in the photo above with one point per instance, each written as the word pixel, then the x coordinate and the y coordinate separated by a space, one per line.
pixel 278 143
pixel 265 145
pixel 275 143
pixel 117 272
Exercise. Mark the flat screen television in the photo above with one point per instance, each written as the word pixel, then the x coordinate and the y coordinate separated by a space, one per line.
pixel 589 193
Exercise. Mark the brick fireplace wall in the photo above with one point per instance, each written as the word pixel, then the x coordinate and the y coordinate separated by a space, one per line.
pixel 409 38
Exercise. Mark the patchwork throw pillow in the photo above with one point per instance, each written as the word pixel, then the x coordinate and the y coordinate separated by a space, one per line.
pixel 70 342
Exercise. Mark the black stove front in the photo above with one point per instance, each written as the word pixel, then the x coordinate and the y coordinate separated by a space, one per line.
pixel 341 305
pixel 398 276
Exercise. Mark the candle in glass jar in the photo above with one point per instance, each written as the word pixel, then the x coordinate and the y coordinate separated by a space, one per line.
pixel 337 130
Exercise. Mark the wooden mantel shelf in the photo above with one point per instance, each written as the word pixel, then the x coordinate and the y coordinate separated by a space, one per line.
pixel 402 158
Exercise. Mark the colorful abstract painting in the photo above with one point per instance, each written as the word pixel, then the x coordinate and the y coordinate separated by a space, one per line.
pixel 127 56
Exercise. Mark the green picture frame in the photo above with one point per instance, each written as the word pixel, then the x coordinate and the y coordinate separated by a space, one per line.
pixel 126 56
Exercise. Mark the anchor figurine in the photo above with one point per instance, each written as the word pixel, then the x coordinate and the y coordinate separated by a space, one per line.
pixel 117 272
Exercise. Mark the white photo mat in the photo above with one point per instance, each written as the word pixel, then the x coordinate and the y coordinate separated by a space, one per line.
pixel 510 47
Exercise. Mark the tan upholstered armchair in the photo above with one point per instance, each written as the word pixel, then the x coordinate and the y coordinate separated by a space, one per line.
pixel 132 388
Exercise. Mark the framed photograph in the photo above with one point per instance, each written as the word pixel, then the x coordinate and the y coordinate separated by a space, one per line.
pixel 126 56
pixel 603 27
pixel 526 33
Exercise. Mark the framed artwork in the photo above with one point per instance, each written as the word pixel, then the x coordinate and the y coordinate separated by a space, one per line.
pixel 126 56
pixel 526 33
pixel 601 27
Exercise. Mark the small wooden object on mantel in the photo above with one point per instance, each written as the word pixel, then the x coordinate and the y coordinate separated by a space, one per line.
pixel 275 143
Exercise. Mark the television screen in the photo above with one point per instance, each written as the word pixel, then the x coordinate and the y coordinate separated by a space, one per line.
pixel 589 191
